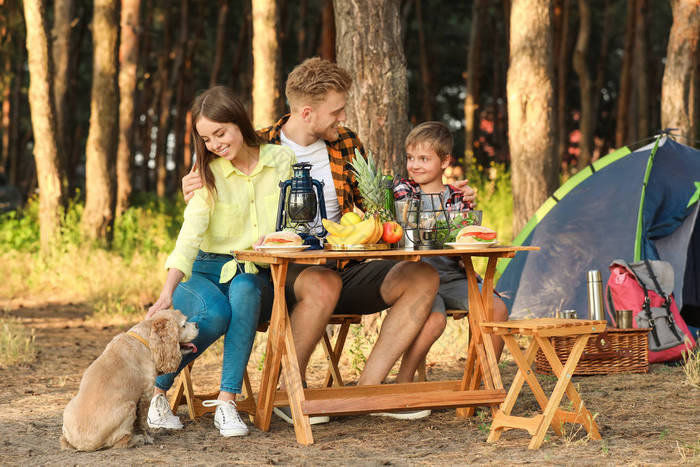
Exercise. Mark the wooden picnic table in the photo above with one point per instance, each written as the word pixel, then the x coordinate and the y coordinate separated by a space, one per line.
pixel 465 394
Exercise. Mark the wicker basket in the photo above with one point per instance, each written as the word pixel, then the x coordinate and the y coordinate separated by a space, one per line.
pixel 613 351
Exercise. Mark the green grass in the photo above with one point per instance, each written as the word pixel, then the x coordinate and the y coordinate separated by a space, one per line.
pixel 16 343
pixel 118 278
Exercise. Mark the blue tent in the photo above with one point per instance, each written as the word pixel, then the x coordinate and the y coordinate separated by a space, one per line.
pixel 629 205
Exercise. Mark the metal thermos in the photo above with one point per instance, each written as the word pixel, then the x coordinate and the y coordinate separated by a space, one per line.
pixel 595 295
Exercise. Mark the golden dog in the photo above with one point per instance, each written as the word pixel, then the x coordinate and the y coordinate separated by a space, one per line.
pixel 112 401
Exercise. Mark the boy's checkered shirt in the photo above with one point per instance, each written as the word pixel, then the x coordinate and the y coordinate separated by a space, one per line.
pixel 405 188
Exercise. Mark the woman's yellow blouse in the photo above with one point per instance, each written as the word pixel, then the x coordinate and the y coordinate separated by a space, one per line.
pixel 244 208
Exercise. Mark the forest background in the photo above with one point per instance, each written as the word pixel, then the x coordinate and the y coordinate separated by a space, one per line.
pixel 95 130
pixel 95 137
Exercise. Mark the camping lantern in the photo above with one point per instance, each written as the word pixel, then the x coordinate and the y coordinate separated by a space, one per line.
pixel 299 204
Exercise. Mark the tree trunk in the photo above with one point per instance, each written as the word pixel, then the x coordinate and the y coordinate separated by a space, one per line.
pixel 377 106
pixel 301 30
pixel 102 137
pixel 425 74
pixel 162 117
pixel 128 59
pixel 63 16
pixel 73 135
pixel 471 101
pixel 640 69
pixel 600 72
pixel 220 40
pixel 43 122
pixel 530 113
pixel 326 48
pixel 6 86
pixel 681 69
pixel 623 100
pixel 584 80
pixel 15 109
pixel 562 84
pixel 242 43
pixel 266 55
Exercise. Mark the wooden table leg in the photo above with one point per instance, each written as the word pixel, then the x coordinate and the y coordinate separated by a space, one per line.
pixel 579 414
pixel 295 388
pixel 503 419
pixel 563 383
pixel 481 355
pixel 333 353
pixel 275 348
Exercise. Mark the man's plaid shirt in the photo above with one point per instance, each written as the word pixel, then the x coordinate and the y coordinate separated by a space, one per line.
pixel 340 152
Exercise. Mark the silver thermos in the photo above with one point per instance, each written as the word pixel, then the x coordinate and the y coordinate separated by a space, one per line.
pixel 595 296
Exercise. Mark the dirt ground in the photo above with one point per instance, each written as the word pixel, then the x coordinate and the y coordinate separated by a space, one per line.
pixel 644 419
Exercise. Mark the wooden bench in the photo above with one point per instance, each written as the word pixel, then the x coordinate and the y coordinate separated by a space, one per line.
pixel 184 393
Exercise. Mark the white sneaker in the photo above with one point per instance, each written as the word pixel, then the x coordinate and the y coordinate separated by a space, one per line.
pixel 404 414
pixel 226 418
pixel 160 415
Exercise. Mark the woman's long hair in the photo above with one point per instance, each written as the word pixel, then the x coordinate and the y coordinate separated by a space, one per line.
pixel 220 105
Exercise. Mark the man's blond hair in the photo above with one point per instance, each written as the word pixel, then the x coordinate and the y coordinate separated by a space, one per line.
pixel 434 134
pixel 310 81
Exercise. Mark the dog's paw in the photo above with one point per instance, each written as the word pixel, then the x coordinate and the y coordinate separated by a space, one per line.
pixel 147 439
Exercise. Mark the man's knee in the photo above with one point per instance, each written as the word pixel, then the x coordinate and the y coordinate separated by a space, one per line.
pixel 435 324
pixel 318 284
pixel 416 278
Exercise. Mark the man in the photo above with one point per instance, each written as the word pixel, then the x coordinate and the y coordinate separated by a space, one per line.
pixel 316 91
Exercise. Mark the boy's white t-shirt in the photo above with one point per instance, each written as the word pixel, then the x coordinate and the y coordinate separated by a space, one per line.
pixel 316 154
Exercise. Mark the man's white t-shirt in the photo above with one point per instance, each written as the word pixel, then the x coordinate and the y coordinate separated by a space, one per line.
pixel 316 154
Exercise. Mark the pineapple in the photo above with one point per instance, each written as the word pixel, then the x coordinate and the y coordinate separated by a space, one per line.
pixel 369 180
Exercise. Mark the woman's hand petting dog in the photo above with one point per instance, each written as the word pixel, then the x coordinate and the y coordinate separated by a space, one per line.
pixel 112 402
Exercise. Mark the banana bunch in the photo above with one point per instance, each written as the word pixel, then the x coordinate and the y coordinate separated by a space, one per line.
pixel 367 231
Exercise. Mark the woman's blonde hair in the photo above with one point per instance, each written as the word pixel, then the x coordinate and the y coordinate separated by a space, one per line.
pixel 310 81
pixel 435 134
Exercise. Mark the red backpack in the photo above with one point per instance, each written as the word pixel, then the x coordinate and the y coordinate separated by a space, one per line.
pixel 654 308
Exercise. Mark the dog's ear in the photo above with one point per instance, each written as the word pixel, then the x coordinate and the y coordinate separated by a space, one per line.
pixel 165 345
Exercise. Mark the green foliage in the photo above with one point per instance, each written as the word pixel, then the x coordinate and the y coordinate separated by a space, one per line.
pixel 149 226
pixel 358 342
pixel 19 230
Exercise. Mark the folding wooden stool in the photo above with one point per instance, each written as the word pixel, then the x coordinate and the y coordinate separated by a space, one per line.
pixel 542 330
pixel 184 394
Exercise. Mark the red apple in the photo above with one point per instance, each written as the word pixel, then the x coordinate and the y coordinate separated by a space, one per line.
pixel 392 232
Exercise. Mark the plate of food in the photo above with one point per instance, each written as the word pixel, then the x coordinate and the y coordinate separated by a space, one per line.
pixel 474 237
pixel 282 242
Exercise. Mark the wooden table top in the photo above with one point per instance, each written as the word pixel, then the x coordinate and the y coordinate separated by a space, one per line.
pixel 545 326
pixel 318 256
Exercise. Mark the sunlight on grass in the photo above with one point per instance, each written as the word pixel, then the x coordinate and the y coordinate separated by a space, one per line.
pixel 16 343
pixel 691 367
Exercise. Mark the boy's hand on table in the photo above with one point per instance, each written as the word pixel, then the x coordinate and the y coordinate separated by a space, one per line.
pixel 191 182
pixel 468 193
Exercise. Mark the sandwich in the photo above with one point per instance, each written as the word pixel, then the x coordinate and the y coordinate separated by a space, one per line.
pixel 283 238
pixel 475 234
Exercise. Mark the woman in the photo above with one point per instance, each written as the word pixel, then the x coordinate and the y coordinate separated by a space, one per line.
pixel 236 206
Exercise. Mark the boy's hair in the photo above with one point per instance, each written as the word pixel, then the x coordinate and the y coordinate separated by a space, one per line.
pixel 310 81
pixel 434 134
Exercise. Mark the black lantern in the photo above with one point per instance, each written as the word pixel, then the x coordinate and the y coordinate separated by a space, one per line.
pixel 299 204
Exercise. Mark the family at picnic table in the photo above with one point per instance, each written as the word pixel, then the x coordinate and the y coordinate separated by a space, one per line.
pixel 232 197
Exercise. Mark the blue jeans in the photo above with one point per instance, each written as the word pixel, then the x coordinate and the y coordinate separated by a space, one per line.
pixel 232 310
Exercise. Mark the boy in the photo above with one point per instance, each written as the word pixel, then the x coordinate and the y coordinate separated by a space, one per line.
pixel 428 150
